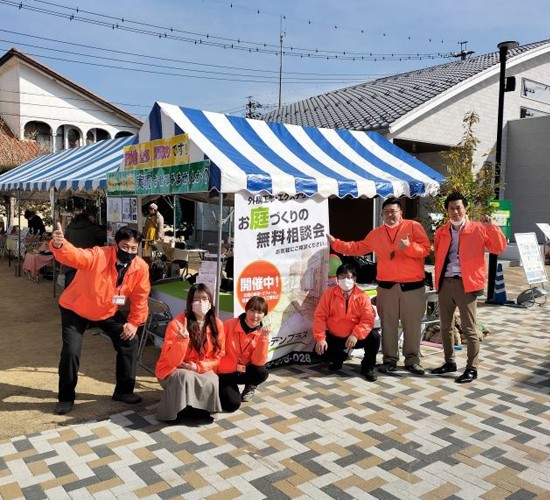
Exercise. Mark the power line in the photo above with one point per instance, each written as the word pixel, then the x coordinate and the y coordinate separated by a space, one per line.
pixel 245 79
pixel 181 61
pixel 310 21
pixel 205 39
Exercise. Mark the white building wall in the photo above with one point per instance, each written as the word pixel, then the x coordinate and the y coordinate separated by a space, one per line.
pixel 443 125
pixel 9 95
pixel 528 173
pixel 45 99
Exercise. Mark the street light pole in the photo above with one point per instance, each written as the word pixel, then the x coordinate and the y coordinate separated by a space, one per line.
pixel 503 48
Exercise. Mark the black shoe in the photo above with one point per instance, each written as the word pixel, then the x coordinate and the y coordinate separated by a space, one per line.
pixel 416 369
pixel 388 366
pixel 370 376
pixel 129 399
pixel 468 375
pixel 63 407
pixel 335 366
pixel 248 393
pixel 446 367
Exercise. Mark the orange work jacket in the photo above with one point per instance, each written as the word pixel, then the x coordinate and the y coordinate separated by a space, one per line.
pixel 91 293
pixel 406 265
pixel 474 239
pixel 331 314
pixel 176 350
pixel 242 348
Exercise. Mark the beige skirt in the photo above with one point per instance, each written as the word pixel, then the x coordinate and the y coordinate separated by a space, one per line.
pixel 188 388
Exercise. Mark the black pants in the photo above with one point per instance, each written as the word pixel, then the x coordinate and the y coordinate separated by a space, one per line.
pixel 72 331
pixel 336 349
pixel 230 397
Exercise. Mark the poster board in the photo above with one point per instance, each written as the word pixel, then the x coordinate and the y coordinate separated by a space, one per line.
pixel 545 228
pixel 281 254
pixel 531 258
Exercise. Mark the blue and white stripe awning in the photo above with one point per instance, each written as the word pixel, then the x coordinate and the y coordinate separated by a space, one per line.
pixel 83 168
pixel 274 158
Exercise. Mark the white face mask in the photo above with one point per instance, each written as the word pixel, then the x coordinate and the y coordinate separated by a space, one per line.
pixel 346 284
pixel 458 223
pixel 201 308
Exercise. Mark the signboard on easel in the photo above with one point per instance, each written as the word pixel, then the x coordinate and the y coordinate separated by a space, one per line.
pixel 531 258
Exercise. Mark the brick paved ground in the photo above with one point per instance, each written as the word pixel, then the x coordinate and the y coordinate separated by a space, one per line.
pixel 311 434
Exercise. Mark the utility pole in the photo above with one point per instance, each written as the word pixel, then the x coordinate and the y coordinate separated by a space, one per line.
pixel 281 37
pixel 463 54
pixel 251 107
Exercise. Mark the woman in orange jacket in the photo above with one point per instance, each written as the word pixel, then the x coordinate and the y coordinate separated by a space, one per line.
pixel 192 349
pixel 246 346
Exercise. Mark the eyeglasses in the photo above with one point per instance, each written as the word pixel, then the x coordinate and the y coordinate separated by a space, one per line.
pixel 390 212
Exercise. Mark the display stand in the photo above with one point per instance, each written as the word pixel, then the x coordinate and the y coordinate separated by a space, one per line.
pixel 533 265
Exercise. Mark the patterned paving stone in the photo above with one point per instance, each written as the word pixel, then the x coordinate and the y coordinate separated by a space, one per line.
pixel 312 434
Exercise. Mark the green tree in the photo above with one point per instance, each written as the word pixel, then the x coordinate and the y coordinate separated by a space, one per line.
pixel 477 185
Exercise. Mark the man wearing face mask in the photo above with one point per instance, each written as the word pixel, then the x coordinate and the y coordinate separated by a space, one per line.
pixel 400 246
pixel 344 319
pixel 107 278
pixel 460 275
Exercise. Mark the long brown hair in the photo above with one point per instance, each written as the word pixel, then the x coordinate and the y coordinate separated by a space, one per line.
pixel 197 335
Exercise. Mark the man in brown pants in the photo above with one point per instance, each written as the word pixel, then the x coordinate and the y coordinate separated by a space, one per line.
pixel 400 246
pixel 460 275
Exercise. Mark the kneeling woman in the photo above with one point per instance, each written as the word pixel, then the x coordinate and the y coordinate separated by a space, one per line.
pixel 246 345
pixel 193 347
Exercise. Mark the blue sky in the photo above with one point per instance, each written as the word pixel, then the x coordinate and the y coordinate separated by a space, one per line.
pixel 165 67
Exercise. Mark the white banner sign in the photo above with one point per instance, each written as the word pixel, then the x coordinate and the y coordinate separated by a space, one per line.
pixel 281 254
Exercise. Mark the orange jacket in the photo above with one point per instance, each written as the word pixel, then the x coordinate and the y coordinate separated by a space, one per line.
pixel 91 293
pixel 474 240
pixel 330 314
pixel 407 265
pixel 176 350
pixel 248 349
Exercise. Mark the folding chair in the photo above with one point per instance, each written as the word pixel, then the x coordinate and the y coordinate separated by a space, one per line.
pixel 154 328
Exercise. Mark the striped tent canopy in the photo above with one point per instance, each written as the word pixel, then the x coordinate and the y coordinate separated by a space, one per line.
pixel 77 169
pixel 267 157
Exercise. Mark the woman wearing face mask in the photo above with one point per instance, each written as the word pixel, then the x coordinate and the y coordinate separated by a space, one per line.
pixel 246 347
pixel 343 320
pixel 193 347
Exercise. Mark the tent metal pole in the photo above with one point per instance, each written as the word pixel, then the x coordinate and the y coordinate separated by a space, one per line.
pixel 54 276
pixel 219 261
pixel 18 265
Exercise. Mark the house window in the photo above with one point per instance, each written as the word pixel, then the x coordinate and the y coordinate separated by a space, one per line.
pixel 535 90
pixel 530 112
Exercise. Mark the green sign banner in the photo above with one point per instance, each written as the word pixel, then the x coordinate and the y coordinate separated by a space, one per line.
pixel 189 178
pixel 503 215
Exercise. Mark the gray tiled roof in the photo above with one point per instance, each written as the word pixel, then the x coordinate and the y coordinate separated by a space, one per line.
pixel 376 104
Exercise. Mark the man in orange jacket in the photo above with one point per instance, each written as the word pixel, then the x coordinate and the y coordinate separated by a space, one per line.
pixel 344 319
pixel 460 275
pixel 400 246
pixel 106 278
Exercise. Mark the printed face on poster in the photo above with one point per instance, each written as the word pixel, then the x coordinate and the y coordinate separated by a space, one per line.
pixel 281 254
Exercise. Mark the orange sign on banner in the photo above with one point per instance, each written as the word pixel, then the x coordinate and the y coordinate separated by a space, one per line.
pixel 260 278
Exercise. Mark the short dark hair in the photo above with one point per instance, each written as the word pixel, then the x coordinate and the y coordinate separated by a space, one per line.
pixel 392 200
pixel 127 233
pixel 455 196
pixel 28 214
pixel 257 303
pixel 345 269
